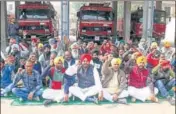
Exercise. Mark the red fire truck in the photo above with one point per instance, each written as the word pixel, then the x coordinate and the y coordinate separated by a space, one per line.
pixel 159 23
pixel 95 22
pixel 37 19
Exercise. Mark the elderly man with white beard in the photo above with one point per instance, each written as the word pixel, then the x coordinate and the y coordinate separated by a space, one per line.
pixel 75 51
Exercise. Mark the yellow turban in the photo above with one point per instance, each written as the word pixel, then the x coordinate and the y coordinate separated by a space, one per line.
pixel 58 59
pixel 154 44
pixel 141 59
pixel 116 61
pixel 40 45
pixel 167 44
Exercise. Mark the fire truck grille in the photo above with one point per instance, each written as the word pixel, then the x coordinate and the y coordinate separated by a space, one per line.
pixel 97 29
pixel 34 27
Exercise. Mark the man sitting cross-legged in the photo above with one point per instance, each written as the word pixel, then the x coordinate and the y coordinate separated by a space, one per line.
pixel 164 79
pixel 140 83
pixel 32 89
pixel 88 80
pixel 56 74
pixel 114 81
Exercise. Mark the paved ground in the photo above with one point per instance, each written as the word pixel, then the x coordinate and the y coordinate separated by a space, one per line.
pixel 163 108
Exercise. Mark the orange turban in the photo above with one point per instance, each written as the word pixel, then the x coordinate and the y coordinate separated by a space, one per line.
pixel 85 56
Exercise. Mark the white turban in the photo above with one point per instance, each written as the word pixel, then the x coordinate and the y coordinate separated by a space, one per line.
pixel 16 46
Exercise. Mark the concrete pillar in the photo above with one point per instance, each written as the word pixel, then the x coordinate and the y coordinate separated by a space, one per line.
pixel 114 5
pixel 148 11
pixel 64 19
pixel 3 25
pixel 127 20
pixel 17 3
pixel 158 5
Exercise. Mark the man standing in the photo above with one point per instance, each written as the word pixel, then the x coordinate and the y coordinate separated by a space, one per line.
pixel 114 81
pixel 88 80
pixel 13 29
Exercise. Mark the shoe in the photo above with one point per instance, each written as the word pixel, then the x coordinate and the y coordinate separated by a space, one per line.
pixel 122 101
pixel 92 99
pixel 21 99
pixel 133 99
pixel 95 100
pixel 171 100
pixel 154 99
pixel 5 95
pixel 37 98
pixel 48 102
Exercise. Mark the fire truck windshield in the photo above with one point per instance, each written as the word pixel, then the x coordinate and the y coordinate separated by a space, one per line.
pixel 34 14
pixel 96 15
pixel 159 17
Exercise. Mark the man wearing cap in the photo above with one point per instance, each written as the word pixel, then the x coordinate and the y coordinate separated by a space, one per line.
pixel 56 74
pixel 168 50
pixel 164 79
pixel 114 81
pixel 140 85
pixel 88 80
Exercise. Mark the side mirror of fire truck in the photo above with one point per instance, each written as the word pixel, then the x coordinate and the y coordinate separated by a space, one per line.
pixel 78 14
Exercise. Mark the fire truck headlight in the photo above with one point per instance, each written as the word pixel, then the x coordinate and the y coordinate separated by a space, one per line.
pixel 42 23
pixel 109 31
pixel 83 30
pixel 46 30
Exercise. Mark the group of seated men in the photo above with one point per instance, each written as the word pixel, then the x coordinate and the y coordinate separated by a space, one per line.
pixel 88 72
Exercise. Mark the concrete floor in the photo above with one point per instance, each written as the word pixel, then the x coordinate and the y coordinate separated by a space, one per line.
pixel 162 108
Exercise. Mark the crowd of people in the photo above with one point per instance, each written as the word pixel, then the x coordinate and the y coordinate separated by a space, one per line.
pixel 90 72
pixel 57 70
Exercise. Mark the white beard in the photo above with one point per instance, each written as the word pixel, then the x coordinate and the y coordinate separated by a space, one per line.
pixel 75 54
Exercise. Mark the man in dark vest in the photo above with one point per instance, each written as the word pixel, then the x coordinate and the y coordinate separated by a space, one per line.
pixel 88 80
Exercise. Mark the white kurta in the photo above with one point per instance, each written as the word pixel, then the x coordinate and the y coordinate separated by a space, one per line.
pixel 141 93
pixel 87 92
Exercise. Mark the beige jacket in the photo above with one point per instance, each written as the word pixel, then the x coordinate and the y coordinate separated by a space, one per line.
pixel 108 74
